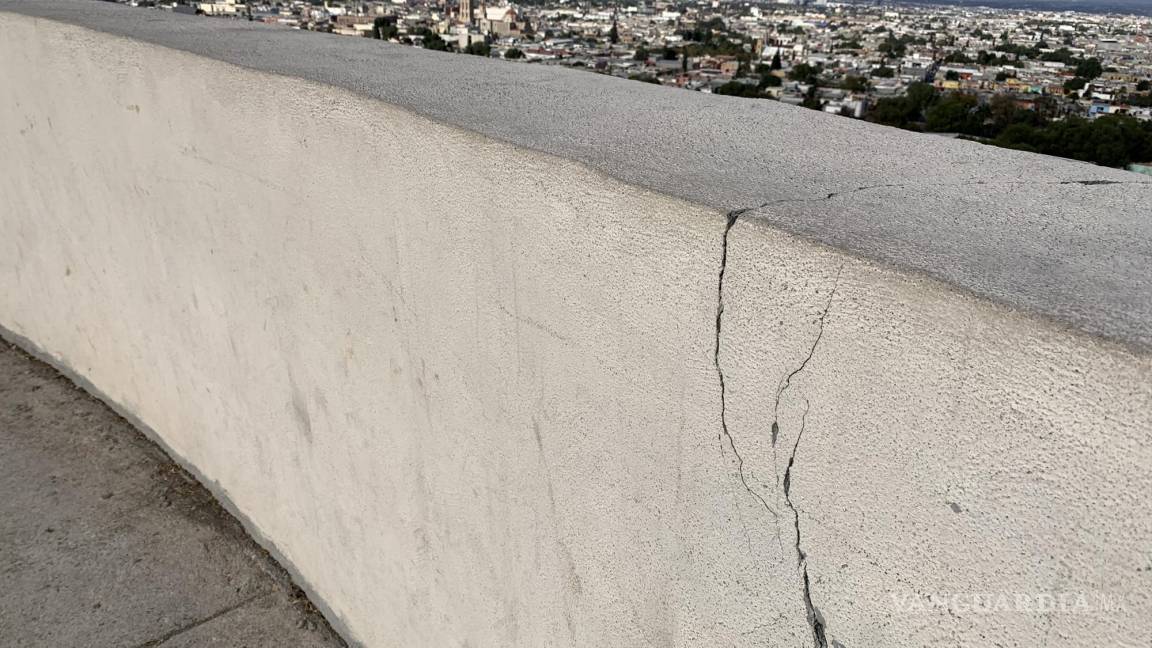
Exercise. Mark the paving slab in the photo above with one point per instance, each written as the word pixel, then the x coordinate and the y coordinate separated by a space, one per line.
pixel 105 542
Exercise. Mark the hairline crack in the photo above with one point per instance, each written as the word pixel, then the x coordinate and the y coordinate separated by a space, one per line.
pixel 814 621
pixel 732 217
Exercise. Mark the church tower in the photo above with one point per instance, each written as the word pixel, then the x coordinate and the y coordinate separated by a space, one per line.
pixel 465 12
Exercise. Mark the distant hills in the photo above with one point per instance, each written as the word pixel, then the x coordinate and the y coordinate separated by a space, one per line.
pixel 1136 7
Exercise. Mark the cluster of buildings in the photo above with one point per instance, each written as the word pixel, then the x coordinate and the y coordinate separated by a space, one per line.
pixel 839 57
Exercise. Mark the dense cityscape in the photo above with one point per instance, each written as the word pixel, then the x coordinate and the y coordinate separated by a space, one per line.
pixel 1062 83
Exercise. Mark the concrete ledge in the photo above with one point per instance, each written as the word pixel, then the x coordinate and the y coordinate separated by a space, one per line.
pixel 1059 238
pixel 487 391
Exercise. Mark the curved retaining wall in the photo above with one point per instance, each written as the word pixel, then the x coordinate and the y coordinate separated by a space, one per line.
pixel 518 388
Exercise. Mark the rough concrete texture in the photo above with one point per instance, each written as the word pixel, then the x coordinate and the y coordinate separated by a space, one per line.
pixel 105 542
pixel 914 443
pixel 989 220
pixel 475 394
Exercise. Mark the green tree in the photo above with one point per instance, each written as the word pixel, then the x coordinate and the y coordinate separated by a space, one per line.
pixel 739 89
pixel 770 81
pixel 384 28
pixel 894 47
pixel 1062 55
pixel 803 72
pixel 641 54
pixel 955 113
pixel 432 41
pixel 1144 86
pixel 513 53
pixel 1089 69
pixel 1003 111
pixel 812 99
pixel 479 48
pixel 893 111
pixel 1045 108
pixel 1113 140
pixel 855 84
pixel 921 95
pixel 904 111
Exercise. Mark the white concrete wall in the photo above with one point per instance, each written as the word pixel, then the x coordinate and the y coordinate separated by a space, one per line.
pixel 470 393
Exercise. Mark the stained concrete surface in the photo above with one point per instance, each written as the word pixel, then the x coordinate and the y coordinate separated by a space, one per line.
pixel 105 542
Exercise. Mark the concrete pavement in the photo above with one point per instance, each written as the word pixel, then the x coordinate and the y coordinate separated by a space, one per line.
pixel 105 542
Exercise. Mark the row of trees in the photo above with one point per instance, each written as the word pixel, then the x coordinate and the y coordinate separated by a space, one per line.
pixel 1113 140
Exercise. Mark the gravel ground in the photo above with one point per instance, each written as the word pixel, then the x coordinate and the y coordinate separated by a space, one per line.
pixel 104 541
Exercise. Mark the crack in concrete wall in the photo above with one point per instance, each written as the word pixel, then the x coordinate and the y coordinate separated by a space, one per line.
pixel 930 327
pixel 732 217
pixel 974 183
pixel 814 618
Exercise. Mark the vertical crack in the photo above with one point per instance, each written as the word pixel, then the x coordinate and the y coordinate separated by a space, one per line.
pixel 786 382
pixel 733 216
pixel 814 620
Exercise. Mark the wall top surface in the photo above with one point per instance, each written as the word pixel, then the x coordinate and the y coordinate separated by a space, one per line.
pixel 1063 239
